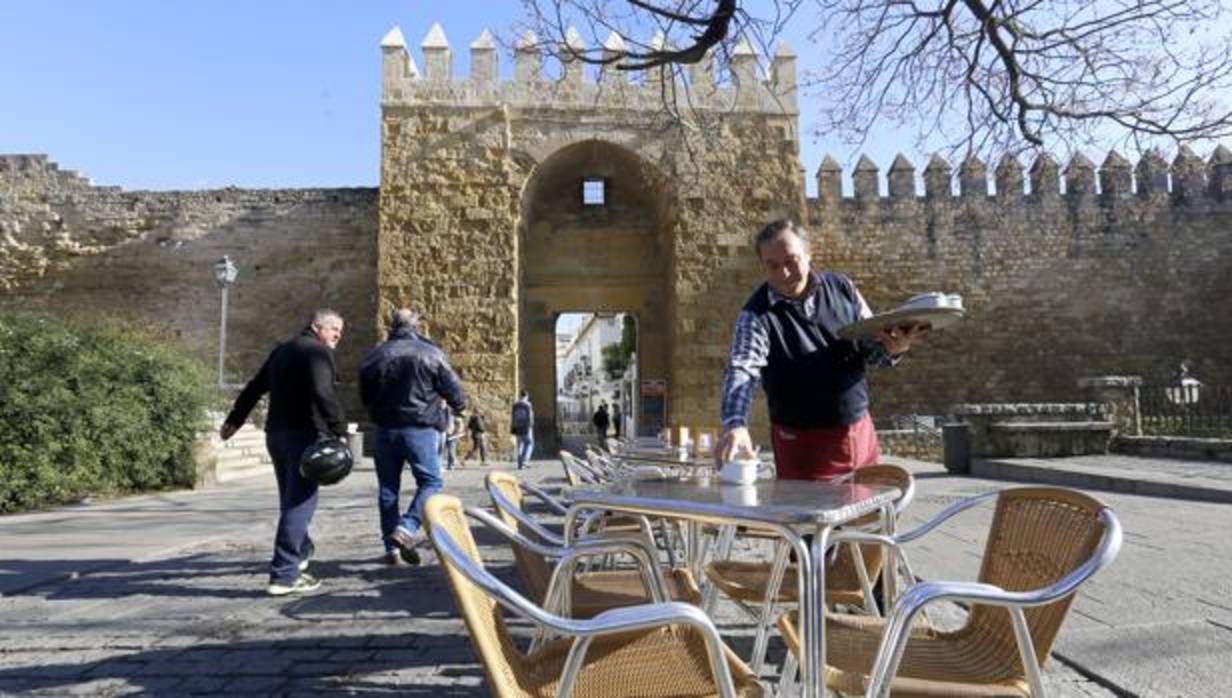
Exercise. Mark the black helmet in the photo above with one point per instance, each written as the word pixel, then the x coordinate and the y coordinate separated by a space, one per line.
pixel 326 462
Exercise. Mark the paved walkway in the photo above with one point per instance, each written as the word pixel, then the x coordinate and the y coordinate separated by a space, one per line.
pixel 164 595
pixel 1203 481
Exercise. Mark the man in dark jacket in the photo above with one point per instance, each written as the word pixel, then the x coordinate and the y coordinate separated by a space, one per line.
pixel 299 376
pixel 402 383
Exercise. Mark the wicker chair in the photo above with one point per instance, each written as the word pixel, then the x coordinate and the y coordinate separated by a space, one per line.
pixel 849 577
pixel 536 548
pixel 664 649
pixel 1044 542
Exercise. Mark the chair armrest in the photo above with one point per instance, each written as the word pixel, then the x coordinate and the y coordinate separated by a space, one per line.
pixel 503 503
pixel 944 515
pixel 568 557
pixel 552 503
pixel 559 584
pixel 491 521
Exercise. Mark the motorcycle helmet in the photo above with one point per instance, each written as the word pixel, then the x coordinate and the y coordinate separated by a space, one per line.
pixel 326 462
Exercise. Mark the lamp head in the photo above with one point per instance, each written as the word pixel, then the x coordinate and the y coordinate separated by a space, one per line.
pixel 225 272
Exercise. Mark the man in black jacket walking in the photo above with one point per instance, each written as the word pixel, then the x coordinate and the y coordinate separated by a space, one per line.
pixel 402 382
pixel 299 376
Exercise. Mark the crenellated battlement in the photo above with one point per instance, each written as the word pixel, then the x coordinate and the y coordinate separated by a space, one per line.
pixel 39 166
pixel 748 88
pixel 1187 180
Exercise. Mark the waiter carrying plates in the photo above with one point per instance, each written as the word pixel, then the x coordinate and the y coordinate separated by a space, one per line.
pixel 787 338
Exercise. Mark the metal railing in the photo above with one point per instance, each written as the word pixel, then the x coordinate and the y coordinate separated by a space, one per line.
pixel 1203 411
pixel 911 435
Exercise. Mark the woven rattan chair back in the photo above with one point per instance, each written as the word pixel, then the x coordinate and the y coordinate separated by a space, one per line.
pixel 1037 536
pixel 506 666
pixel 532 567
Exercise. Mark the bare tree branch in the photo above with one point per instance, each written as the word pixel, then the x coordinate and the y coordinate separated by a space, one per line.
pixel 986 76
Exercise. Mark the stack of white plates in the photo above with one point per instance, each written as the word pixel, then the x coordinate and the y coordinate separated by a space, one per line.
pixel 934 310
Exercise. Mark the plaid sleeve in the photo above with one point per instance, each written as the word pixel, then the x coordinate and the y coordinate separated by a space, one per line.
pixel 750 350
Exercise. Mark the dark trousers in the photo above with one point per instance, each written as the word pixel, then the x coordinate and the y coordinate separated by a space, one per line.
pixel 477 445
pixel 297 502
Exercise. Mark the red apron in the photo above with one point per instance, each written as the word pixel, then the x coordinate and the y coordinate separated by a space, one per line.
pixel 824 454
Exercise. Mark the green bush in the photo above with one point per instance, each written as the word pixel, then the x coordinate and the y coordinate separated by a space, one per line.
pixel 88 410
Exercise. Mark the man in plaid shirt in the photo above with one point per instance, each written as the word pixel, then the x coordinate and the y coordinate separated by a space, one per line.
pixel 786 338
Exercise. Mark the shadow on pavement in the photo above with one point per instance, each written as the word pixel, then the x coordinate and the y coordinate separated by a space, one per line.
pixel 303 665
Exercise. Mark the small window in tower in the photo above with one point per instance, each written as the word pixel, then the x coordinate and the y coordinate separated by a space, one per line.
pixel 594 192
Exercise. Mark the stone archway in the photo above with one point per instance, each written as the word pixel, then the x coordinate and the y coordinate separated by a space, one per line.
pixel 574 257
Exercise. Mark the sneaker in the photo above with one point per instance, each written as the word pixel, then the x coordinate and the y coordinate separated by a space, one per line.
pixel 303 584
pixel 391 558
pixel 309 551
pixel 405 540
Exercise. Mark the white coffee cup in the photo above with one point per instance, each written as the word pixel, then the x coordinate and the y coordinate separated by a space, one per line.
pixel 740 472
pixel 738 495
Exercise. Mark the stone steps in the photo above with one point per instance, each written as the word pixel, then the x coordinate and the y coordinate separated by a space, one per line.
pixel 243 456
pixel 242 467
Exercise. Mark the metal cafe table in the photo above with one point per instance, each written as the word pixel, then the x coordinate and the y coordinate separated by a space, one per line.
pixel 791 509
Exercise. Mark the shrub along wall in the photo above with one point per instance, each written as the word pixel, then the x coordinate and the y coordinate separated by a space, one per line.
pixel 88 410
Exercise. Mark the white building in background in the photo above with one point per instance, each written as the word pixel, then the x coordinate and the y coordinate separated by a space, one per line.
pixel 563 340
pixel 582 384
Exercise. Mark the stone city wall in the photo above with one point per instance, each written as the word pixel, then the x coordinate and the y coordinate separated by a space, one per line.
pixel 147 257
pixel 1115 274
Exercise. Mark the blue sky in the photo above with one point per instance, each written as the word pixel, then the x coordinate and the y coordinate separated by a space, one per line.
pixel 186 95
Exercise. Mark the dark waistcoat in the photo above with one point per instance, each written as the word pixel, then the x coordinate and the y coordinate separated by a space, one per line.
pixel 814 378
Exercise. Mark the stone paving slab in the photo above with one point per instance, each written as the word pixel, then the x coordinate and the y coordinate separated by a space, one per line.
pixel 44 546
pixel 194 619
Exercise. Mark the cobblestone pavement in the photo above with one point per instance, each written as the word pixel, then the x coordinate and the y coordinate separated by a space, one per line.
pixel 196 620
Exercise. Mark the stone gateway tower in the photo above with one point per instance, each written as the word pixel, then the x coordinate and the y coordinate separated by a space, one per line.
pixel 484 228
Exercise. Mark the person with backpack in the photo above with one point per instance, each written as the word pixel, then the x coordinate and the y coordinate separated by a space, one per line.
pixel 521 425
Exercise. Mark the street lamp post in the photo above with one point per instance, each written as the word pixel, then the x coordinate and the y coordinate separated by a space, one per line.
pixel 224 273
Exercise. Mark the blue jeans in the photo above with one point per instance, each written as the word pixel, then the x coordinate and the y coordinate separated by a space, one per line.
pixel 526 447
pixel 451 452
pixel 395 447
pixel 297 502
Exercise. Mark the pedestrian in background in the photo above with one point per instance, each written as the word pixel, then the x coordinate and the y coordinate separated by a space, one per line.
pixel 453 432
pixel 521 425
pixel 478 429
pixel 601 422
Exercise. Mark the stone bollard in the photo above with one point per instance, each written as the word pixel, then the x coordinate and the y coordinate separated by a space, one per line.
pixel 1119 395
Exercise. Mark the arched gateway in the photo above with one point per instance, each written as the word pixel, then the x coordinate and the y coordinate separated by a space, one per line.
pixel 490 225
